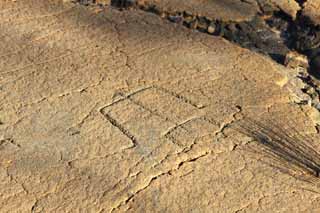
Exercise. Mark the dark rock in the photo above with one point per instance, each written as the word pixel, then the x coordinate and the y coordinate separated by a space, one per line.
pixel 315 66
pixel 122 3
pixel 203 23
pixel 175 18
pixel 278 23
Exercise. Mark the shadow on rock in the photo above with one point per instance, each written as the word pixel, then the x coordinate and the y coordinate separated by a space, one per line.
pixel 123 3
pixel 286 150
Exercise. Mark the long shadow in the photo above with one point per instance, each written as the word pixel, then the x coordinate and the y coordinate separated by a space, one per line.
pixel 286 150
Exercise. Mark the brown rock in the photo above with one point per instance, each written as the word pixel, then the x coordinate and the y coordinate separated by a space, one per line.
pixel 227 10
pixel 295 60
pixel 290 7
pixel 125 112
pixel 312 10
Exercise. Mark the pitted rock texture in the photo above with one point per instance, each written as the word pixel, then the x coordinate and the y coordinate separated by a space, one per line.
pixel 122 111
pixel 228 10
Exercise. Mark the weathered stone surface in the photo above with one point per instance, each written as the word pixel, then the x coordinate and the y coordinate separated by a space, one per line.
pixel 312 10
pixel 123 111
pixel 227 10
pixel 290 7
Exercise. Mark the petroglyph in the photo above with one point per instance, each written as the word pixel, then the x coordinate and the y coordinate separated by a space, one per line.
pixel 187 132
pixel 107 109
pixel 142 120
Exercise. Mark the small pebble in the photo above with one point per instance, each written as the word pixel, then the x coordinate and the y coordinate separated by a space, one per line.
pixel 211 28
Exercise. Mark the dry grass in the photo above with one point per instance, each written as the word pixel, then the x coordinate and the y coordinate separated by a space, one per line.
pixel 284 149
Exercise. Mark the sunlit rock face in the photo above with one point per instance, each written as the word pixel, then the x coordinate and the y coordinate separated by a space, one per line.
pixel 117 110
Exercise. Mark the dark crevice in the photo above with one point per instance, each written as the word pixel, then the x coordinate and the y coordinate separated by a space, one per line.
pixel 301 2
pixel 122 4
